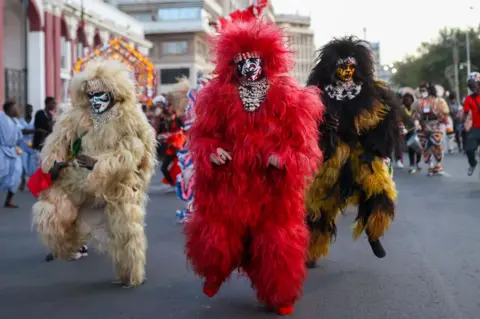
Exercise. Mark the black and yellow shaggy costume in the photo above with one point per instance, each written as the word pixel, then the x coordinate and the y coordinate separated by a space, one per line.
pixel 358 135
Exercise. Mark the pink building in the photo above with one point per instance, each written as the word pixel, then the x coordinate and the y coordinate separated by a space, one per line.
pixel 57 37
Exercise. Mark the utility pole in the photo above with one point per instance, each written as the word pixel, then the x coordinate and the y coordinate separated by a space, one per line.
pixel 469 66
pixel 365 33
pixel 455 67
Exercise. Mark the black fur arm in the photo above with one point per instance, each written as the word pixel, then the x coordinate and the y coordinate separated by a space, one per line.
pixel 382 139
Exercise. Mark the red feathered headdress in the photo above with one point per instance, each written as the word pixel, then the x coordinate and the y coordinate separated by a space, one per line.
pixel 257 38
pixel 251 13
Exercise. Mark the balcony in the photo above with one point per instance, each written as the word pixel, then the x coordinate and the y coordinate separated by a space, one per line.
pixel 105 12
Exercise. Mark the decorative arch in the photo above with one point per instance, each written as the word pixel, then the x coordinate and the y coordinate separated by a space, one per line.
pixel 34 17
pixel 81 36
pixel 142 67
pixel 65 30
pixel 97 40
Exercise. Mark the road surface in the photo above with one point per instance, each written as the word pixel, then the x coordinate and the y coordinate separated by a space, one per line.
pixel 431 271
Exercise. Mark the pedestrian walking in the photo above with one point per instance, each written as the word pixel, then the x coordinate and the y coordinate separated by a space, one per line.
pixel 43 123
pixel 29 157
pixel 10 162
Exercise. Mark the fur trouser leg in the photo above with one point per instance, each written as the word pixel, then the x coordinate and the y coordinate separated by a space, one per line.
pixel 376 208
pixel 324 203
pixel 214 248
pixel 276 263
pixel 127 243
pixel 55 218
pixel 322 233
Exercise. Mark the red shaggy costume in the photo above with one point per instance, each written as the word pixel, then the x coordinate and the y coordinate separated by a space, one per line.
pixel 249 212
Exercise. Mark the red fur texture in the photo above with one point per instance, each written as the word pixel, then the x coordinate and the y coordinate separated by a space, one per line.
pixel 250 215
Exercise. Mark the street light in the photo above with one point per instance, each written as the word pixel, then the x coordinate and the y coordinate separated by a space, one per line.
pixel 394 70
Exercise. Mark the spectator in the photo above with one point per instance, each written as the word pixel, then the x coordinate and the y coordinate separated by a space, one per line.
pixel 458 128
pixel 10 162
pixel 472 106
pixel 44 120
pixel 30 160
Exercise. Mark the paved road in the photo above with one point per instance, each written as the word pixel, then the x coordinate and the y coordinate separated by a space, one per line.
pixel 432 268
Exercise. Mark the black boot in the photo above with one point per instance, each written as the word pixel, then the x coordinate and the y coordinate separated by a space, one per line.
pixel 8 201
pixel 311 264
pixel 377 248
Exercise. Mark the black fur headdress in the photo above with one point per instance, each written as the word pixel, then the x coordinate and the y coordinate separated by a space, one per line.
pixel 324 72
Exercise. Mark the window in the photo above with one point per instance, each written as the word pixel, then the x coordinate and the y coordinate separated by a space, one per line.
pixel 142 16
pixel 174 47
pixel 80 51
pixel 171 76
pixel 169 14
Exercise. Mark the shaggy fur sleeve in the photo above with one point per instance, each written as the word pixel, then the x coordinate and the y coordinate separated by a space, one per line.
pixel 58 142
pixel 116 165
pixel 149 159
pixel 381 140
pixel 207 133
pixel 300 152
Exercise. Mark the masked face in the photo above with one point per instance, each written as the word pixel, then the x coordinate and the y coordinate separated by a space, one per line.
pixel 100 101
pixel 250 69
pixel 474 86
pixel 346 69
pixel 423 93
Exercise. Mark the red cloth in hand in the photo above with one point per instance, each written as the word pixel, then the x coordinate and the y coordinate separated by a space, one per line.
pixel 38 182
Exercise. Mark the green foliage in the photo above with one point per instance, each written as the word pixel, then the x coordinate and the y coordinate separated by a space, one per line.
pixel 433 58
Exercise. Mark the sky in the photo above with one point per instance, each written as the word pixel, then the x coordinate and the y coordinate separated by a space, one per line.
pixel 399 26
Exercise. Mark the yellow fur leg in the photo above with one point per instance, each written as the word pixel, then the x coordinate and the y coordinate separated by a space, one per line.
pixel 357 229
pixel 127 242
pixel 374 183
pixel 377 224
pixel 319 244
pixel 319 197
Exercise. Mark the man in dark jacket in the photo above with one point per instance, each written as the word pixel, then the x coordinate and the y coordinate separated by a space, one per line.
pixel 44 123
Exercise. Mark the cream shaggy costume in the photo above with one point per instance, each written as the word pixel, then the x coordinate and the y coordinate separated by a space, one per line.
pixel 105 202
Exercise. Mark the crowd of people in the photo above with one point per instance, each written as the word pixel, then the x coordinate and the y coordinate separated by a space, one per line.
pixel 21 138
pixel 433 126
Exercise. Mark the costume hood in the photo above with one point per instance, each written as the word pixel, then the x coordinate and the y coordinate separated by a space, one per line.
pixel 104 75
pixel 324 72
pixel 258 37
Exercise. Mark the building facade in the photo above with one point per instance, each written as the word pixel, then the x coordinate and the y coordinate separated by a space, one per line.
pixel 301 42
pixel 179 31
pixel 56 37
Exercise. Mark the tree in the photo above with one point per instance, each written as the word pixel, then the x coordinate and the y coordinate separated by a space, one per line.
pixel 433 59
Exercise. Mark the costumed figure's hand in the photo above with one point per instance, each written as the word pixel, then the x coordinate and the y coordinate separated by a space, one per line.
pixel 220 157
pixel 57 167
pixel 274 160
pixel 86 161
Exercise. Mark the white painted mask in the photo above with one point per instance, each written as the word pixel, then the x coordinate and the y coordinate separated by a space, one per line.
pixel 100 101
